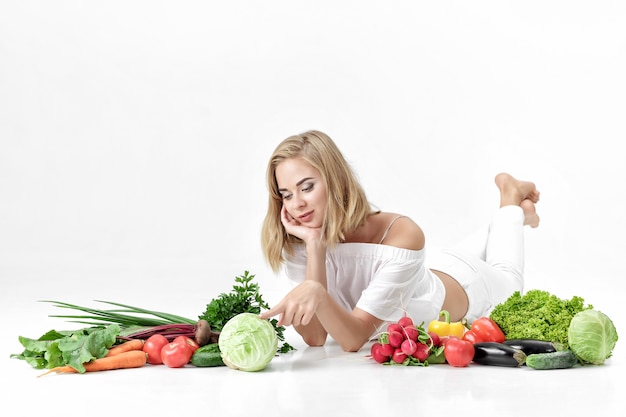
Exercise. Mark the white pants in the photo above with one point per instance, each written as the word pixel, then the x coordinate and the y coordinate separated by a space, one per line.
pixel 489 265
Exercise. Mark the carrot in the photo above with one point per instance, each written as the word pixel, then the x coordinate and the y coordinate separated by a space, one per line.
pixel 125 360
pixel 134 344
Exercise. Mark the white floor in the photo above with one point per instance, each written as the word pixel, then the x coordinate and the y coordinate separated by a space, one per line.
pixel 308 382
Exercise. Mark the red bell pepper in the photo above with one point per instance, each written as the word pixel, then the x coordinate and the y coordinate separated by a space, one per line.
pixel 484 329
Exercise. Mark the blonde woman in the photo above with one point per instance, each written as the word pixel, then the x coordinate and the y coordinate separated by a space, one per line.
pixel 354 269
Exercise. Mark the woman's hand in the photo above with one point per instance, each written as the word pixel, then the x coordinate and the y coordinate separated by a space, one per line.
pixel 299 305
pixel 295 228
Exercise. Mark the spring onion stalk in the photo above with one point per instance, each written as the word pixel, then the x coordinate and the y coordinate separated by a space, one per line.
pixel 135 322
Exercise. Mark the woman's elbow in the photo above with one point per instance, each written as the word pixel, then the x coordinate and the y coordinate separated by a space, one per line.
pixel 352 346
pixel 315 340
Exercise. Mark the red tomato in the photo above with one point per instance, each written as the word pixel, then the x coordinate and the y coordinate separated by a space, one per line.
pixel 458 352
pixel 184 339
pixel 176 354
pixel 153 346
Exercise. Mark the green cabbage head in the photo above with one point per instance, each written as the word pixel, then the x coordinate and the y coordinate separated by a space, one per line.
pixel 592 336
pixel 248 342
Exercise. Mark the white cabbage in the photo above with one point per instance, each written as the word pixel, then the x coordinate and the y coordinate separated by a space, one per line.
pixel 248 342
pixel 592 336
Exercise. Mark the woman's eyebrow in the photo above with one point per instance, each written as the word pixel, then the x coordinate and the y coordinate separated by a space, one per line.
pixel 297 184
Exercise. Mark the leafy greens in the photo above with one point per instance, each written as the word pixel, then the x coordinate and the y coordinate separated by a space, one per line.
pixel 537 315
pixel 244 297
pixel 68 347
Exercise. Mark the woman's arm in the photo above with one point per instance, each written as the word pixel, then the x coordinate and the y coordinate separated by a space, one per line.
pixel 314 314
pixel 350 329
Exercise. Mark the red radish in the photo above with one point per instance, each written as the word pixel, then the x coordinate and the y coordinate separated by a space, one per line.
pixel 398 356
pixel 403 343
pixel 394 327
pixel 377 354
pixel 411 332
pixel 405 321
pixel 435 338
pixel 395 338
pixel 422 351
pixel 408 347
pixel 386 349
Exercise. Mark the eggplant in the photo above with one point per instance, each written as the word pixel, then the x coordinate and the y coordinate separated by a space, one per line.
pixel 498 354
pixel 533 346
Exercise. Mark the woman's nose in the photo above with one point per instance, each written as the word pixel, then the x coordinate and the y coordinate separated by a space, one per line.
pixel 298 201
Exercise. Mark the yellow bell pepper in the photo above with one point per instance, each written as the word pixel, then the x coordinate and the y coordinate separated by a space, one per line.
pixel 445 328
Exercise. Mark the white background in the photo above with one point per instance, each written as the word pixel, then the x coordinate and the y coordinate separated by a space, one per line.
pixel 134 136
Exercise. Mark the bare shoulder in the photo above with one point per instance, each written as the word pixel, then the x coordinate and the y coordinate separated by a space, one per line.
pixel 402 232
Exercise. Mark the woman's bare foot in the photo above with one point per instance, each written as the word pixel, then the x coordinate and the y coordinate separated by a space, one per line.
pixel 531 218
pixel 514 191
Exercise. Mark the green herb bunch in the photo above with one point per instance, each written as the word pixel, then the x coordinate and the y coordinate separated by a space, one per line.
pixel 245 297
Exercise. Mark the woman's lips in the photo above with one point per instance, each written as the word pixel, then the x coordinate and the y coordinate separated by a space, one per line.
pixel 305 217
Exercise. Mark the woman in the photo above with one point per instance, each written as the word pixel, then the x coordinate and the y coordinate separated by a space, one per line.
pixel 355 269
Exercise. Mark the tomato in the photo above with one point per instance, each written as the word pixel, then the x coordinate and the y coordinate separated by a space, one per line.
pixel 176 354
pixel 153 346
pixel 458 352
pixel 184 339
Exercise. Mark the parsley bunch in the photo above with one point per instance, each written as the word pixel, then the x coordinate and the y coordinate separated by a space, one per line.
pixel 245 297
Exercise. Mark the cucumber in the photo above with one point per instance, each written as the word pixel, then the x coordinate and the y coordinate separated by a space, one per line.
pixel 207 355
pixel 560 359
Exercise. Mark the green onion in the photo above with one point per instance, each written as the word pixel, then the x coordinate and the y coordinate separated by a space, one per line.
pixel 127 316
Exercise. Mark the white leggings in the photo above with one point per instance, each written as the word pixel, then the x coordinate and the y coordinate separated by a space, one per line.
pixel 489 264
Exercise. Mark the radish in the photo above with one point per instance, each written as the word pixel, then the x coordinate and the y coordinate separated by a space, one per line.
pixel 386 349
pixel 405 343
pixel 405 321
pixel 377 354
pixel 394 327
pixel 408 347
pixel 435 338
pixel 395 338
pixel 411 333
pixel 421 352
pixel 399 356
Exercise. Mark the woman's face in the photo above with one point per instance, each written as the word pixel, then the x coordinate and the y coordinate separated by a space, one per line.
pixel 303 191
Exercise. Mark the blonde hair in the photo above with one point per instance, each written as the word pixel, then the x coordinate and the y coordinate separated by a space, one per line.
pixel 347 206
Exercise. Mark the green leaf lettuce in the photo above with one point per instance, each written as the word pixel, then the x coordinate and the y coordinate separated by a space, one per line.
pixel 537 315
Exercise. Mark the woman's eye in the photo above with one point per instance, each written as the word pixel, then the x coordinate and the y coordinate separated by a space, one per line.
pixel 308 188
pixel 286 197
